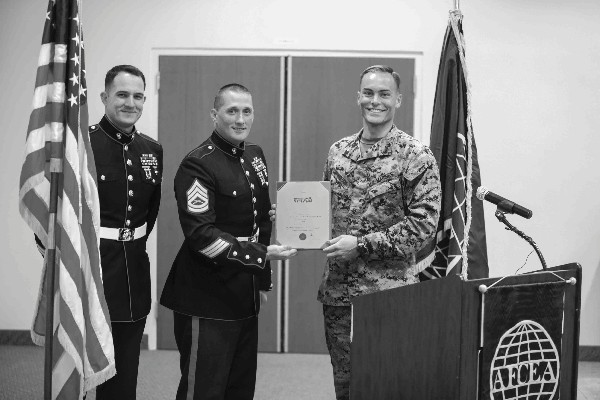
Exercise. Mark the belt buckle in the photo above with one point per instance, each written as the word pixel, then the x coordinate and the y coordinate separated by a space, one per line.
pixel 125 235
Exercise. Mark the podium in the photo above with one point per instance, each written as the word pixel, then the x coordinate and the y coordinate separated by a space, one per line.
pixel 431 341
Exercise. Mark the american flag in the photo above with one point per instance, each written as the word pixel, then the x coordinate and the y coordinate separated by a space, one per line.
pixel 58 140
pixel 460 245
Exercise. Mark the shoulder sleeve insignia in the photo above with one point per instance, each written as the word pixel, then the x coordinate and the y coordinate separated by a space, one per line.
pixel 197 198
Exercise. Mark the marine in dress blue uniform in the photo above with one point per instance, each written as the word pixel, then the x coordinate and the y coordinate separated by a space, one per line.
pixel 214 286
pixel 129 175
pixel 222 194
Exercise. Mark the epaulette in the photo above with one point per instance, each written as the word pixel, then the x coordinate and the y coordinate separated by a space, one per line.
pixel 202 150
pixel 148 138
pixel 93 128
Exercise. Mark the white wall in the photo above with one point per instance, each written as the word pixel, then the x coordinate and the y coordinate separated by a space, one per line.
pixel 535 84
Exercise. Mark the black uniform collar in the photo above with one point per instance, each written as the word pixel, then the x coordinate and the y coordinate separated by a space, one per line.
pixel 115 133
pixel 227 147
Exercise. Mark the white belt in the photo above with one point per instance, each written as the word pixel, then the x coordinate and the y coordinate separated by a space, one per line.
pixel 123 234
pixel 253 238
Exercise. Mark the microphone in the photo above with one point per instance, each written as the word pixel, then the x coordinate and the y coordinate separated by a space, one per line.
pixel 505 205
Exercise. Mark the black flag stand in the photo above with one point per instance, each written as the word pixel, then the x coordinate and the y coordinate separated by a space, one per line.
pixel 501 215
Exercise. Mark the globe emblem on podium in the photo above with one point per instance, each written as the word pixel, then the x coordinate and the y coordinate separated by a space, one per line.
pixel 526 364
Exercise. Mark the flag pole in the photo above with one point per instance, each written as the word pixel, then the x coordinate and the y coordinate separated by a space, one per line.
pixel 52 260
pixel 457 5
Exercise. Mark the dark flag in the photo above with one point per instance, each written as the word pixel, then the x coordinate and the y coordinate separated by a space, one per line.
pixel 58 142
pixel 460 245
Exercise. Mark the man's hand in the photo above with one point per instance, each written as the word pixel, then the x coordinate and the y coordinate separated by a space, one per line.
pixel 273 212
pixel 342 247
pixel 277 252
pixel 263 297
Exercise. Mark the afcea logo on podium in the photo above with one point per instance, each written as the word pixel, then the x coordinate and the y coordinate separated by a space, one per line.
pixel 526 364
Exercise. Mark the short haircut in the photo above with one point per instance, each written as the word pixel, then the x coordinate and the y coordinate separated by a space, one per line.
pixel 114 71
pixel 232 87
pixel 382 68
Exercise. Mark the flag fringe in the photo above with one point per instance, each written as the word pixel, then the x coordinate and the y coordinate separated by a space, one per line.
pixel 99 377
pixel 455 18
pixel 422 265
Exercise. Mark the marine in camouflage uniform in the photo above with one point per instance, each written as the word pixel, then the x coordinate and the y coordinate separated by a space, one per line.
pixel 387 198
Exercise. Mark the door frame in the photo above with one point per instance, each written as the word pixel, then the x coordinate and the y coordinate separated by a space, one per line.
pixel 152 114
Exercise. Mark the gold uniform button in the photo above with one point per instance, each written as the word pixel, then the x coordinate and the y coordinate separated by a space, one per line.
pixel 234 253
pixel 129 208
pixel 128 222
pixel 131 193
pixel 130 178
pixel 102 177
pixel 255 212
pixel 126 148
pixel 247 257
pixel 129 162
pixel 233 151
pixel 259 260
pixel 118 136
pixel 247 173
pixel 234 193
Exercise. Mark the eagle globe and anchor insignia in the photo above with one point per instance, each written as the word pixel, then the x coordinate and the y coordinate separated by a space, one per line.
pixel 526 364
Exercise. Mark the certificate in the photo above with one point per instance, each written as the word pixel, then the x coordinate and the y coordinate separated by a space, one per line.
pixel 303 218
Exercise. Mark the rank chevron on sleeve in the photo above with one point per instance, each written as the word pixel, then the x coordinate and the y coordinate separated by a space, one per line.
pixel 197 198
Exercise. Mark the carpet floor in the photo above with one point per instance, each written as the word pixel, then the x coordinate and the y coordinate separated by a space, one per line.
pixel 279 376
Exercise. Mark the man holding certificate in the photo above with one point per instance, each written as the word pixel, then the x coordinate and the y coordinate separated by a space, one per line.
pixel 221 273
pixel 385 200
